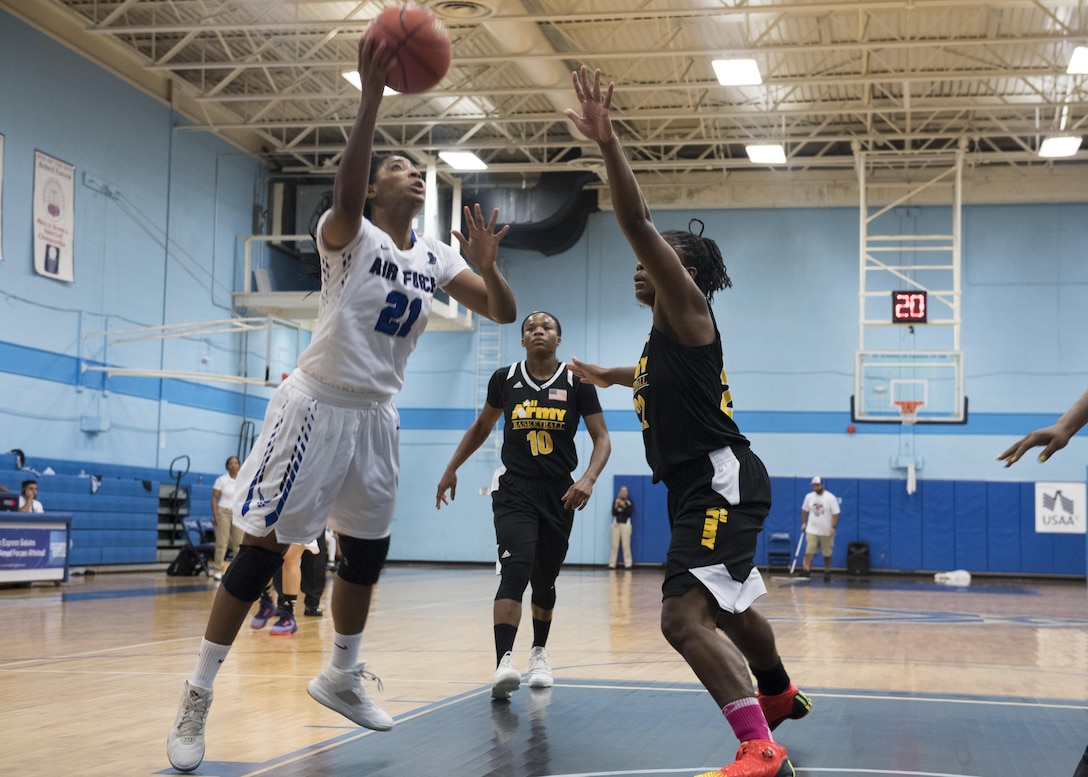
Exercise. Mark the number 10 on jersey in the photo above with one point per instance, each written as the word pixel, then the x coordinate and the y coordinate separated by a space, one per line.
pixel 540 442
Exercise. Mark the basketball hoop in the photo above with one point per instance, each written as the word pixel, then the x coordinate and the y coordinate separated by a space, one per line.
pixel 908 410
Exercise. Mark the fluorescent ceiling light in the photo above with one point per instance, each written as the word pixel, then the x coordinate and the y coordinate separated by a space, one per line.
pixel 1078 63
pixel 352 77
pixel 767 154
pixel 737 72
pixel 462 160
pixel 1060 146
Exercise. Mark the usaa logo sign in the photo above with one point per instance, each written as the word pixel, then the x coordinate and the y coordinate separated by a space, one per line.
pixel 1060 508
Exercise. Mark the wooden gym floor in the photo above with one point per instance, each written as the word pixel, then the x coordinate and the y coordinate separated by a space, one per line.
pixel 907 678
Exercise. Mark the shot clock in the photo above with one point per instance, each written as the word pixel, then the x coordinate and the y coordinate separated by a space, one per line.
pixel 909 307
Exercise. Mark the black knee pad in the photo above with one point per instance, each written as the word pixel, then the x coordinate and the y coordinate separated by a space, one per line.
pixel 361 561
pixel 250 572
pixel 515 579
pixel 544 599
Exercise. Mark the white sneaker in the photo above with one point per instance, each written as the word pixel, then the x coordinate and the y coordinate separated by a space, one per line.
pixel 507 679
pixel 343 692
pixel 540 671
pixel 185 744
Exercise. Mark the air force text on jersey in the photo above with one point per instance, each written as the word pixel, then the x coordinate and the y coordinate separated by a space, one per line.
pixel 390 271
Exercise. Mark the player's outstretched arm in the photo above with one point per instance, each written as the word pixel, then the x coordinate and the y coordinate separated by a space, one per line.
pixel 474 437
pixel 1054 438
pixel 602 377
pixel 687 312
pixel 349 188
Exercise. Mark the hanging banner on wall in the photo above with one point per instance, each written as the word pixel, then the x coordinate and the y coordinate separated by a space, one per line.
pixel 54 214
pixel 1060 508
pixel 1 198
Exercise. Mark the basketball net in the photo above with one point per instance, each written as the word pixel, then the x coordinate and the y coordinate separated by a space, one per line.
pixel 908 413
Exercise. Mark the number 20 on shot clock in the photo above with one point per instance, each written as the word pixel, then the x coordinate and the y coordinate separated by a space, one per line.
pixel 909 307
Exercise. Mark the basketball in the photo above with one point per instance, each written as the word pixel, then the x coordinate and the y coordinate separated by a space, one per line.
pixel 418 40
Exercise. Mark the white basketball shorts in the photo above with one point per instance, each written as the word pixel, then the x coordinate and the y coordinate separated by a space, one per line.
pixel 325 456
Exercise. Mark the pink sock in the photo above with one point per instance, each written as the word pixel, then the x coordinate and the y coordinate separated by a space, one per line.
pixel 747 720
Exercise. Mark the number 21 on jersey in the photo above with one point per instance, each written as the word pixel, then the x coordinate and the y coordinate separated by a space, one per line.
pixel 389 320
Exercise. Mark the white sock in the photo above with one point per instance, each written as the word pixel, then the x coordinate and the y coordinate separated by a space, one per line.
pixel 208 662
pixel 345 650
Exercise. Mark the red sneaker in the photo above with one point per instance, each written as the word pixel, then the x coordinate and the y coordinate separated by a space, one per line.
pixel 791 704
pixel 758 758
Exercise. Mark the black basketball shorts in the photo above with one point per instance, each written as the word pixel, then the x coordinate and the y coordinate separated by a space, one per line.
pixel 531 524
pixel 717 506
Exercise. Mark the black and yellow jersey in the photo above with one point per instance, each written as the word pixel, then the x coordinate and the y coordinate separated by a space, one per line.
pixel 683 401
pixel 541 419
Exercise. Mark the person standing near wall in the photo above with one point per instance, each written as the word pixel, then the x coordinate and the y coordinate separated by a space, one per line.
pixel 1053 439
pixel 226 535
pixel 328 451
pixel 719 492
pixel 541 402
pixel 819 520
pixel 622 508
pixel 28 502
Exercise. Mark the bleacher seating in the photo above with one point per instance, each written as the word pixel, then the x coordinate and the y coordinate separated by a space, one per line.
pixel 118 519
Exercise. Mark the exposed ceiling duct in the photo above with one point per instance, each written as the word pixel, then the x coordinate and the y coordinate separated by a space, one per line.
pixel 913 76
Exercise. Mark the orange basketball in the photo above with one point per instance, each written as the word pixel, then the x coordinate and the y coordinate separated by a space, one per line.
pixel 418 40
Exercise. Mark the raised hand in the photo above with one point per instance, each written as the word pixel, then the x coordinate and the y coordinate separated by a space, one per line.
pixel 595 121
pixel 373 71
pixel 481 247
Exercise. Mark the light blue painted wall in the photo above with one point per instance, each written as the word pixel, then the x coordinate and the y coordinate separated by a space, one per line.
pixel 160 248
pixel 789 326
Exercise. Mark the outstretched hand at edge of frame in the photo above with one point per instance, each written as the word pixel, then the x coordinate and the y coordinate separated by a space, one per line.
pixel 1054 437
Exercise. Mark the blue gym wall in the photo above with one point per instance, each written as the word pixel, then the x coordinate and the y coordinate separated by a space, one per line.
pixel 160 248
pixel 164 249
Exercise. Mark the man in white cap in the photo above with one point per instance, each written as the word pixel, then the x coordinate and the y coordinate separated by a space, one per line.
pixel 819 517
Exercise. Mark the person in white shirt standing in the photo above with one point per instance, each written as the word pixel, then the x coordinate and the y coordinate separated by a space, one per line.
pixel 226 535
pixel 819 517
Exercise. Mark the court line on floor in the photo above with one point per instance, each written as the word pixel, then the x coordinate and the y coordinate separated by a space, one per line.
pixel 835 771
pixel 994 701
pixel 356 734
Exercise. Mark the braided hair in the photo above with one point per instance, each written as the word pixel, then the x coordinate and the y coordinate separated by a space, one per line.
pixel 703 254
pixel 311 264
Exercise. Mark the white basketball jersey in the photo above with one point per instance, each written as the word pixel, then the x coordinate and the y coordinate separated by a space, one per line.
pixel 375 301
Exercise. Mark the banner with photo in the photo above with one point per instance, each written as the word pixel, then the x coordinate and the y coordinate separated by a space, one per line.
pixel 1 198
pixel 54 216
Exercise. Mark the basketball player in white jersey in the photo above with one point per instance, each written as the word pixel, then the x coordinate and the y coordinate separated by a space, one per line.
pixel 328 450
